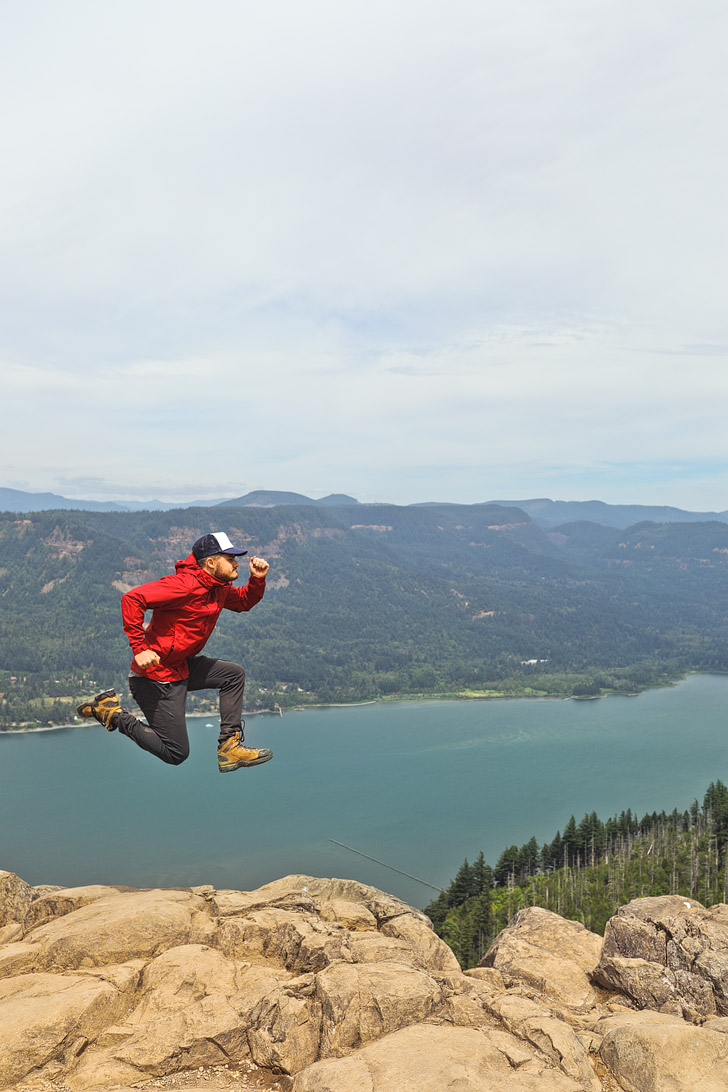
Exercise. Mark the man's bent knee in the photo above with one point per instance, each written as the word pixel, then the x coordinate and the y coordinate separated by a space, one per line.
pixel 173 752
pixel 234 674
pixel 175 756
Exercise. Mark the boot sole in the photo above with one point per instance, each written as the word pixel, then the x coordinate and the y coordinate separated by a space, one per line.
pixel 86 709
pixel 90 704
pixel 240 765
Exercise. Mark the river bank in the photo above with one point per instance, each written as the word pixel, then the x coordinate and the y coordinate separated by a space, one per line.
pixel 387 699
pixel 553 687
pixel 23 729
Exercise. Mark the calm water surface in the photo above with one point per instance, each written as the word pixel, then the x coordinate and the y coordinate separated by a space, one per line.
pixel 419 785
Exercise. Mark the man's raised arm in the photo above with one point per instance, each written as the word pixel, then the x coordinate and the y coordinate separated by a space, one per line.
pixel 240 599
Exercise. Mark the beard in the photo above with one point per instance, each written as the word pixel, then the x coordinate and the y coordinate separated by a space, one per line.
pixel 222 571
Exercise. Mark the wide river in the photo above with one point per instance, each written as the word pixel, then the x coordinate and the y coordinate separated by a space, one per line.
pixel 418 785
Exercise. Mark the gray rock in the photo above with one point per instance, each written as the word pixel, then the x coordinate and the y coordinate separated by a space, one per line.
pixel 654 986
pixel 300 941
pixel 668 951
pixel 15 898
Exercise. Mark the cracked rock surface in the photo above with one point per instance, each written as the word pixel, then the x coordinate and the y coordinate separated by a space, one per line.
pixel 669 954
pixel 310 984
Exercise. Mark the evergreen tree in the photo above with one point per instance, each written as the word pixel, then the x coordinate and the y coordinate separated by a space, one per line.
pixel 507 865
pixel 622 859
pixel 528 859
pixel 482 875
pixel 463 886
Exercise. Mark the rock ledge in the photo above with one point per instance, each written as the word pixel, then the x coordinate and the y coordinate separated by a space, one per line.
pixel 327 985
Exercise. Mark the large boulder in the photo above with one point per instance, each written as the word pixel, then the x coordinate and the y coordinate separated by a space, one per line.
pixel 194 1011
pixel 304 923
pixel 654 986
pixel 469 998
pixel 426 948
pixel 298 941
pixel 118 927
pixel 354 916
pixel 48 1020
pixel 668 953
pixel 382 906
pixel 432 1059
pixel 338 1010
pixel 58 901
pixel 17 957
pixel 364 1002
pixel 551 956
pixel 285 1027
pixel 538 1026
pixel 667 1055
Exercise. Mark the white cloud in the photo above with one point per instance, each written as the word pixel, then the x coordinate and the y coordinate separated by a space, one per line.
pixel 372 247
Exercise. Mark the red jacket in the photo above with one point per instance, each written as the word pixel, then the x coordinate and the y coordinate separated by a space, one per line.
pixel 185 608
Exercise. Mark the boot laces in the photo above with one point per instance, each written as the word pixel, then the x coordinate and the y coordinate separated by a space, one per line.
pixel 239 734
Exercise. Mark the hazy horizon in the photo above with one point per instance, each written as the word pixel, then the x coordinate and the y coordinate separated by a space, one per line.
pixel 182 502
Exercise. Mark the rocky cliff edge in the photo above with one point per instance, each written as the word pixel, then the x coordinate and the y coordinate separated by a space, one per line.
pixel 326 985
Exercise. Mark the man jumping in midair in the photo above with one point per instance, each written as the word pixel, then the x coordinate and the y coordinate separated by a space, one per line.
pixel 167 661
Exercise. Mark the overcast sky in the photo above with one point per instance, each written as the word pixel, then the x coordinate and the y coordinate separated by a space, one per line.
pixel 405 250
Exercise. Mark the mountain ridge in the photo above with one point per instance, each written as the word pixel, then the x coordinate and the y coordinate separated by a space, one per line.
pixel 543 511
pixel 373 601
pixel 272 498
pixel 550 513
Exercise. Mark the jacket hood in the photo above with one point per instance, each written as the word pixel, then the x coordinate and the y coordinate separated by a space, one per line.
pixel 189 567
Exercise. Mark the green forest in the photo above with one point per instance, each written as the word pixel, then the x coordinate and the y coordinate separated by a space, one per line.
pixel 371 602
pixel 587 871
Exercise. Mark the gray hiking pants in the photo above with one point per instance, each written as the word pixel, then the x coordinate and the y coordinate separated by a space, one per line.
pixel 163 704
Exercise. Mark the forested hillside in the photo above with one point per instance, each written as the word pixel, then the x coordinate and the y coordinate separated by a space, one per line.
pixel 366 601
pixel 587 871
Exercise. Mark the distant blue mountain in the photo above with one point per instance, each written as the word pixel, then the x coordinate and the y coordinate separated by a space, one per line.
pixel 550 513
pixel 16 500
pixel 544 512
pixel 271 498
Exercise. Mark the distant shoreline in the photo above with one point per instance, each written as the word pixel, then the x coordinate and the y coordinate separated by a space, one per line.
pixel 80 724
pixel 386 700
pixel 246 713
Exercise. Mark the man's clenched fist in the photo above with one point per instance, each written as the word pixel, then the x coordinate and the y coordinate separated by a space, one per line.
pixel 258 566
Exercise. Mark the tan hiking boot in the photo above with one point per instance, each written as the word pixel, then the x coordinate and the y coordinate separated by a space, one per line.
pixel 104 707
pixel 233 753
